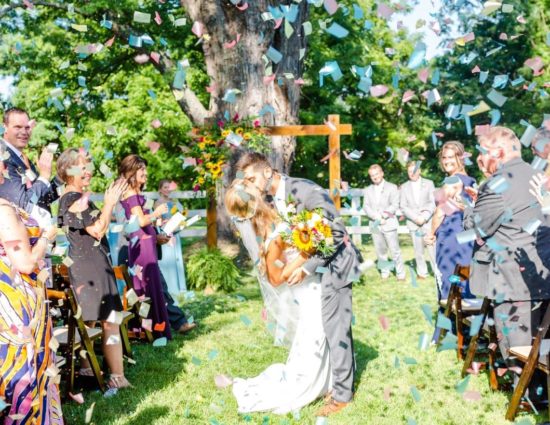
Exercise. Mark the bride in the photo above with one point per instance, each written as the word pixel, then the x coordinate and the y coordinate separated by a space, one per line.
pixel 306 375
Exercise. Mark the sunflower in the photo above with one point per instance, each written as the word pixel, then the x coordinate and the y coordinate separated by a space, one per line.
pixel 216 170
pixel 324 229
pixel 247 136
pixel 202 145
pixel 303 239
pixel 239 131
pixel 226 133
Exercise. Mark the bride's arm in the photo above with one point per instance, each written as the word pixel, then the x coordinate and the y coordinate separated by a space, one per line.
pixel 275 273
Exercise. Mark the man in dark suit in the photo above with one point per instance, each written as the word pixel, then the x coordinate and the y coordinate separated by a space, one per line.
pixel 26 185
pixel 508 265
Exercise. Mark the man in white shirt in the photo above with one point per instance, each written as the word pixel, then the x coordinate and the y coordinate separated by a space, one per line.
pixel 380 203
pixel 27 186
pixel 418 204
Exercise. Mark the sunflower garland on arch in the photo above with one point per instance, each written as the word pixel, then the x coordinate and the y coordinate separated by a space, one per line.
pixel 210 151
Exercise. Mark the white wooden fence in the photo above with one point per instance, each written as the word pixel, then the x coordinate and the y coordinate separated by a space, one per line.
pixel 353 210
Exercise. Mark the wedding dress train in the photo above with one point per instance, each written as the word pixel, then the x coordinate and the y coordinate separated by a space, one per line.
pixel 306 375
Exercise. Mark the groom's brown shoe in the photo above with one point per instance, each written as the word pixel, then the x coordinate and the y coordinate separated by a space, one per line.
pixel 331 406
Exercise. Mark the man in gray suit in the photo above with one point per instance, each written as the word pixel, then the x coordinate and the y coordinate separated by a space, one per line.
pixel 418 204
pixel 380 203
pixel 339 271
pixel 508 265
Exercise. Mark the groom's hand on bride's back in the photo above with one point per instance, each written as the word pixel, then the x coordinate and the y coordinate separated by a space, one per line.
pixel 297 276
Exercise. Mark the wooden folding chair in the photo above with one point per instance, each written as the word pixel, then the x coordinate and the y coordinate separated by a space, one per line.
pixel 73 336
pixel 461 308
pixel 489 331
pixel 121 273
pixel 536 356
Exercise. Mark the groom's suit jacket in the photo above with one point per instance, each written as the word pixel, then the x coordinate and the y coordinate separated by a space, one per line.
pixel 15 190
pixel 344 264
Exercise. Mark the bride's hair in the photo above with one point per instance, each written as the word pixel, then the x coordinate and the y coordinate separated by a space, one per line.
pixel 245 202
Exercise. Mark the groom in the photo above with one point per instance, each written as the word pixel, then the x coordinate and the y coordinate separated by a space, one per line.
pixel 338 271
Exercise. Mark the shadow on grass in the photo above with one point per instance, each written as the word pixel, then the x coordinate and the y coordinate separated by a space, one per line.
pixel 363 355
pixel 154 370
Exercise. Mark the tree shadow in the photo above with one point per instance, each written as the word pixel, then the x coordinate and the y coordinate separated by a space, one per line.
pixel 148 375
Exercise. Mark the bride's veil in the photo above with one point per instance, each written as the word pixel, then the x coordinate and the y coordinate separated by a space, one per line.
pixel 279 302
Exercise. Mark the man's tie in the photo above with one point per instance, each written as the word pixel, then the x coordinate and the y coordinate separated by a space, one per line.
pixel 26 160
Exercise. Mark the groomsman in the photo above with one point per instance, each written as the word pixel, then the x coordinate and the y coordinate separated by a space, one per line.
pixel 380 203
pixel 418 204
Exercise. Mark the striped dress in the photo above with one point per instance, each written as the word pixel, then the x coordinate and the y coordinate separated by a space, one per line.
pixel 27 364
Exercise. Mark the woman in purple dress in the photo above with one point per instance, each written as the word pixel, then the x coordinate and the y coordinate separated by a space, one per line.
pixel 447 219
pixel 142 248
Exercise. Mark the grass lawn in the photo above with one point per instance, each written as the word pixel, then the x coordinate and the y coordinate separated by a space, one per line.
pixel 397 383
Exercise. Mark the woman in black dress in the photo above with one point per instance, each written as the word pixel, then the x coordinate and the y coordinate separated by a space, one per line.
pixel 91 273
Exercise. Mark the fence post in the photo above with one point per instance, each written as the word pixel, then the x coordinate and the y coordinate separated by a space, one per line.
pixel 356 219
pixel 211 221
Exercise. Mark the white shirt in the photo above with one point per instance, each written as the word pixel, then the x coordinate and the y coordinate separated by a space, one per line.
pixel 416 188
pixel 279 198
pixel 378 188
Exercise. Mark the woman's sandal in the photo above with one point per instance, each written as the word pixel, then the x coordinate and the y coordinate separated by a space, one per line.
pixel 118 381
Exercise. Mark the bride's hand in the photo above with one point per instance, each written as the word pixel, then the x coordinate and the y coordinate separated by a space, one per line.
pixel 296 277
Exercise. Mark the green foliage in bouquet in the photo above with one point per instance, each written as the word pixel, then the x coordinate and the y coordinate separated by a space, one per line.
pixel 210 268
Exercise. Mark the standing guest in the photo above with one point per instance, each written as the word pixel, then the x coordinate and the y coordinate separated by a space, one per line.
pixel 418 204
pixel 507 221
pixel 27 388
pixel 381 201
pixel 27 185
pixel 448 216
pixel 171 263
pixel 142 249
pixel 91 274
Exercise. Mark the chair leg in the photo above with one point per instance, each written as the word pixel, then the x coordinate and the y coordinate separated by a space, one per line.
pixel 472 348
pixel 459 333
pixel 126 347
pixel 521 386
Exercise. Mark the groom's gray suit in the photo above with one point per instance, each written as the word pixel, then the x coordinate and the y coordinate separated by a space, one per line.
pixel 339 271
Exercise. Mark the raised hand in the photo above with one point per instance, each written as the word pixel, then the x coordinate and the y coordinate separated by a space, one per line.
pixel 115 191
pixel 161 209
pixel 537 183
pixel 45 164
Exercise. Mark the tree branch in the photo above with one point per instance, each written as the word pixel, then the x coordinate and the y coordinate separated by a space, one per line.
pixel 189 102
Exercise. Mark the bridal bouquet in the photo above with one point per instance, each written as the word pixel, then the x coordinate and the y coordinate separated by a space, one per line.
pixel 309 232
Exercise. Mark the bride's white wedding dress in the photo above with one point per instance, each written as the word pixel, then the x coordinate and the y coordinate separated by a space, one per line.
pixel 306 375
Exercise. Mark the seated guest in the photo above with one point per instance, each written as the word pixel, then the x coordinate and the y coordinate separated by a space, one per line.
pixel 171 262
pixel 27 388
pixel 91 274
pixel 381 201
pixel 511 265
pixel 142 249
pixel 448 216
pixel 418 205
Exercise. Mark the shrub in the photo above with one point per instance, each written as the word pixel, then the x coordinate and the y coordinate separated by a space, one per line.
pixel 210 268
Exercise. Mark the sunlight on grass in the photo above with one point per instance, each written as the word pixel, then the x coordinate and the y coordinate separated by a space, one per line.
pixel 397 382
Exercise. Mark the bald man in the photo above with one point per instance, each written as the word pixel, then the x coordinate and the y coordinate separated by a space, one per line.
pixel 508 222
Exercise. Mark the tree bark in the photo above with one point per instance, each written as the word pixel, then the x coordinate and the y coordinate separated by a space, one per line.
pixel 243 68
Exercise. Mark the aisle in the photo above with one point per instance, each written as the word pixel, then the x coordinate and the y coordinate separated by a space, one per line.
pixel 175 384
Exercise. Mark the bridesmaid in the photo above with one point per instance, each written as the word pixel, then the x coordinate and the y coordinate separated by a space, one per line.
pixel 26 386
pixel 171 263
pixel 448 216
pixel 142 248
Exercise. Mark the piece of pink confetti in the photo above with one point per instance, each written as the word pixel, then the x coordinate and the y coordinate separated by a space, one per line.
pixel 155 56
pixel 378 90
pixel 384 322
pixel 156 123
pixel 153 146
pixel 158 19
pixel 407 96
pixel 423 75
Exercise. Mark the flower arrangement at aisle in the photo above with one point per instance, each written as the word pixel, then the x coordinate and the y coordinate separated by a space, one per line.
pixel 309 232
pixel 213 146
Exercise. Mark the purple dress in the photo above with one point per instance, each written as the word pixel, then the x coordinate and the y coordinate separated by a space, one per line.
pixel 142 252
pixel 448 251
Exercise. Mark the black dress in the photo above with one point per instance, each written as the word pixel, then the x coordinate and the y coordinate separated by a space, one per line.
pixel 91 273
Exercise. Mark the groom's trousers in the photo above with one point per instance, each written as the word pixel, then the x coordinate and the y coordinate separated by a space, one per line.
pixel 337 316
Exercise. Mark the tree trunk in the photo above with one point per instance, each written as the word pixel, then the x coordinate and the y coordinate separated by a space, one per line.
pixel 243 68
